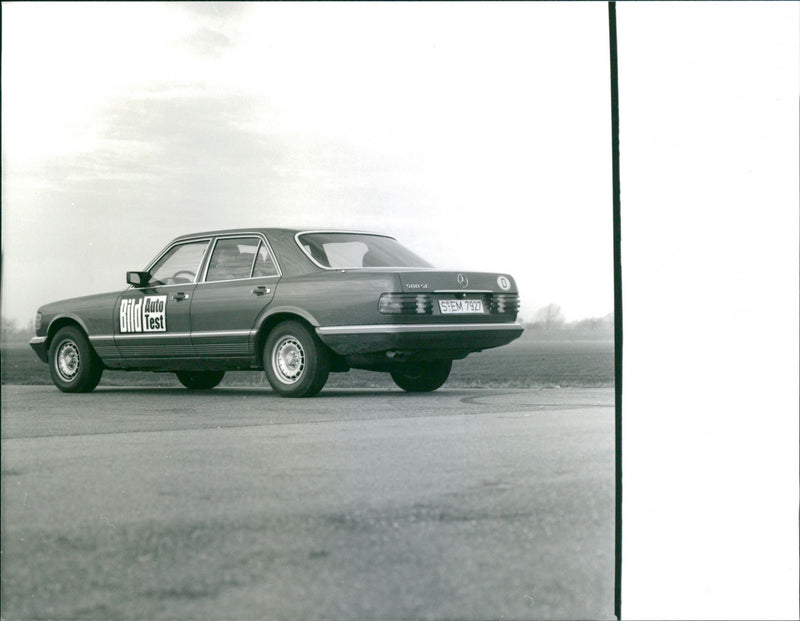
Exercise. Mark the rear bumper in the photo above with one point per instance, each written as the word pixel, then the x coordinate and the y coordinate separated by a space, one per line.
pixel 466 337
pixel 39 346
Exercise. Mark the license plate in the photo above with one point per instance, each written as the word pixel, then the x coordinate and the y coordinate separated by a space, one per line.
pixel 452 307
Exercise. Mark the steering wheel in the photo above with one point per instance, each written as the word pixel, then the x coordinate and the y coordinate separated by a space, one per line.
pixel 179 272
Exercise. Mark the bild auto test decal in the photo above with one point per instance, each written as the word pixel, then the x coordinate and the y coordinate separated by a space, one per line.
pixel 147 314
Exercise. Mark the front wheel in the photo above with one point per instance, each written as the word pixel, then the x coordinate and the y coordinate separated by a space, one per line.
pixel 297 364
pixel 200 380
pixel 422 376
pixel 74 365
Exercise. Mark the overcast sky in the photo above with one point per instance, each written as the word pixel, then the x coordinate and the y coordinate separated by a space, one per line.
pixel 477 134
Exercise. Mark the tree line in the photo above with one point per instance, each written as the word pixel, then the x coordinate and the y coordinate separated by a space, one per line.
pixel 551 317
pixel 12 331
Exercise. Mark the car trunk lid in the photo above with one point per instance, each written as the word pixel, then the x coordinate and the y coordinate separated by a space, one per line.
pixel 456 282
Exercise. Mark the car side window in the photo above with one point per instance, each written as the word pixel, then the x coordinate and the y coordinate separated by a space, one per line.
pixel 264 266
pixel 232 259
pixel 179 264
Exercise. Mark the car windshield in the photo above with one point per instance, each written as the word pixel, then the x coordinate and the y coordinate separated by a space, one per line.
pixel 356 250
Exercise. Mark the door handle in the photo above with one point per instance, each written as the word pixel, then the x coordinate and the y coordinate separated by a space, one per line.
pixel 179 296
pixel 260 290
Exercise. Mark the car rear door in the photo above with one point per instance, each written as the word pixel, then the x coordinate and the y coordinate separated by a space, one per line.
pixel 152 323
pixel 239 282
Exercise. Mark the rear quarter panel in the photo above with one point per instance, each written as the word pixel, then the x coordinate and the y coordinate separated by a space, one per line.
pixel 336 297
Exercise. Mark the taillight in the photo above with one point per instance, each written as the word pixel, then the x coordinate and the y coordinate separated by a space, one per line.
pixel 504 303
pixel 38 322
pixel 406 304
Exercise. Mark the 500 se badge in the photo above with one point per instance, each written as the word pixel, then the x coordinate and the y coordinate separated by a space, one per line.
pixel 147 314
pixel 297 304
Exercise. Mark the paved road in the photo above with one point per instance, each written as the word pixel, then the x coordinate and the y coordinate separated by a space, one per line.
pixel 160 503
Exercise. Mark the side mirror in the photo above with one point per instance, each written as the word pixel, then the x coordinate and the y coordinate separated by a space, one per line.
pixel 138 279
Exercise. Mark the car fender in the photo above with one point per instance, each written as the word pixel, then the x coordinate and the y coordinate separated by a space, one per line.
pixel 275 314
pixel 63 318
pixel 271 311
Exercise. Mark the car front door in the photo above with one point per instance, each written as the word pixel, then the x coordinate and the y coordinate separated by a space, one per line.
pixel 152 322
pixel 239 282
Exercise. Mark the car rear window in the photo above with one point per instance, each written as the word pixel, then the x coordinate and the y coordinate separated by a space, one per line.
pixel 356 250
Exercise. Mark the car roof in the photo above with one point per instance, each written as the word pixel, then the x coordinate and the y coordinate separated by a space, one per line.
pixel 267 231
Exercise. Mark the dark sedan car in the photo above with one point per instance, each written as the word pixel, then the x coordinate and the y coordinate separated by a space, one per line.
pixel 297 304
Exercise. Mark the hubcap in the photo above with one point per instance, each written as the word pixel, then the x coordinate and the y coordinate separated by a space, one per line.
pixel 68 360
pixel 288 360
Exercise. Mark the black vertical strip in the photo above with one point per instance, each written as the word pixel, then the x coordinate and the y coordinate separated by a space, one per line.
pixel 612 37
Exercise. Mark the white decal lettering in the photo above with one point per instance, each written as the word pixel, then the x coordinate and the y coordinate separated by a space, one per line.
pixel 123 316
pixel 148 314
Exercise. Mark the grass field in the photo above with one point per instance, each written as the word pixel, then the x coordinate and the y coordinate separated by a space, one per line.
pixel 527 363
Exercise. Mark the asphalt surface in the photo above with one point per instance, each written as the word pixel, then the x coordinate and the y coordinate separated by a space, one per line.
pixel 238 504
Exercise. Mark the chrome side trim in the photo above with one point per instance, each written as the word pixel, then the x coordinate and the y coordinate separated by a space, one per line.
pixel 405 328
pixel 210 333
pixel 101 337
pixel 154 335
pixel 223 333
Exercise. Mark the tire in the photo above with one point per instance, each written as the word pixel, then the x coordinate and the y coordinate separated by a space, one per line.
pixel 200 380
pixel 422 376
pixel 74 365
pixel 296 362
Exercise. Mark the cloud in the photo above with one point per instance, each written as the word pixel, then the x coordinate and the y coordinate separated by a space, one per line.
pixel 222 153
pixel 207 42
pixel 168 135
pixel 215 10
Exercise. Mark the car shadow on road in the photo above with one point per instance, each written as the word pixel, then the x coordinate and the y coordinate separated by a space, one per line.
pixel 260 391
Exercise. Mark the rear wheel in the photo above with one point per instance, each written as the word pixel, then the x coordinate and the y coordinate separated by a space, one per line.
pixel 74 365
pixel 296 362
pixel 422 376
pixel 200 380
